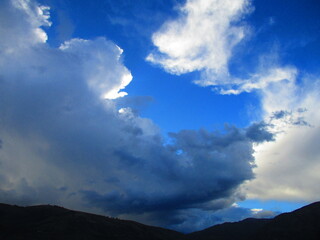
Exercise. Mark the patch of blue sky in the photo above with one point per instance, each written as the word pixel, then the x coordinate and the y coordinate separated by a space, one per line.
pixel 290 28
pixel 272 205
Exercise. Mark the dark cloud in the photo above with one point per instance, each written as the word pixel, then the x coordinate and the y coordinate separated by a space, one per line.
pixel 294 118
pixel 280 114
pixel 301 122
pixel 204 174
pixel 258 132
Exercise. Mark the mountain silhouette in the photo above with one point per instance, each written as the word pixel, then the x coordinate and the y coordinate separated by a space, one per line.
pixel 301 224
pixel 242 230
pixel 53 223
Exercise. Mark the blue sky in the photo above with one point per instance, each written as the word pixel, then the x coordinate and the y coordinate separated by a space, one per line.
pixel 181 114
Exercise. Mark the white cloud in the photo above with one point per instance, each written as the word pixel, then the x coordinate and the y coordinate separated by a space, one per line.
pixel 288 168
pixel 261 80
pixel 202 38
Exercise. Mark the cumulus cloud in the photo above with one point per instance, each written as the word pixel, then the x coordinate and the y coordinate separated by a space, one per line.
pixel 65 141
pixel 96 55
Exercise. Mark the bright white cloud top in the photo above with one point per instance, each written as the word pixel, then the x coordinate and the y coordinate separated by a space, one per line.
pixel 100 65
pixel 69 135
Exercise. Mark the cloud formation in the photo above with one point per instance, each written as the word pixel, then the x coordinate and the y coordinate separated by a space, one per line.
pixel 287 169
pixel 65 141
pixel 201 39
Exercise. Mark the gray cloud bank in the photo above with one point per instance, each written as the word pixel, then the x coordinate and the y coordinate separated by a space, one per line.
pixel 64 141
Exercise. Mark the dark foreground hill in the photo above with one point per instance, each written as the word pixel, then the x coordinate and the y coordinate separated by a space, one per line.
pixel 52 223
pixel 56 223
pixel 242 230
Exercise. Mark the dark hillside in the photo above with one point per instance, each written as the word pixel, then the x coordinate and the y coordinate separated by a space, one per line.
pixel 230 231
pixel 301 224
pixel 53 223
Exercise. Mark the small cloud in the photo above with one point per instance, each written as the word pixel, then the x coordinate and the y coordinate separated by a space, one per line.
pixel 264 213
pixel 272 21
pixel 294 118
pixel 258 132
pixel 280 114
pixel 256 210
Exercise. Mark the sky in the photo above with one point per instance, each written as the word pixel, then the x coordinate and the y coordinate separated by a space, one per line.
pixel 175 113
